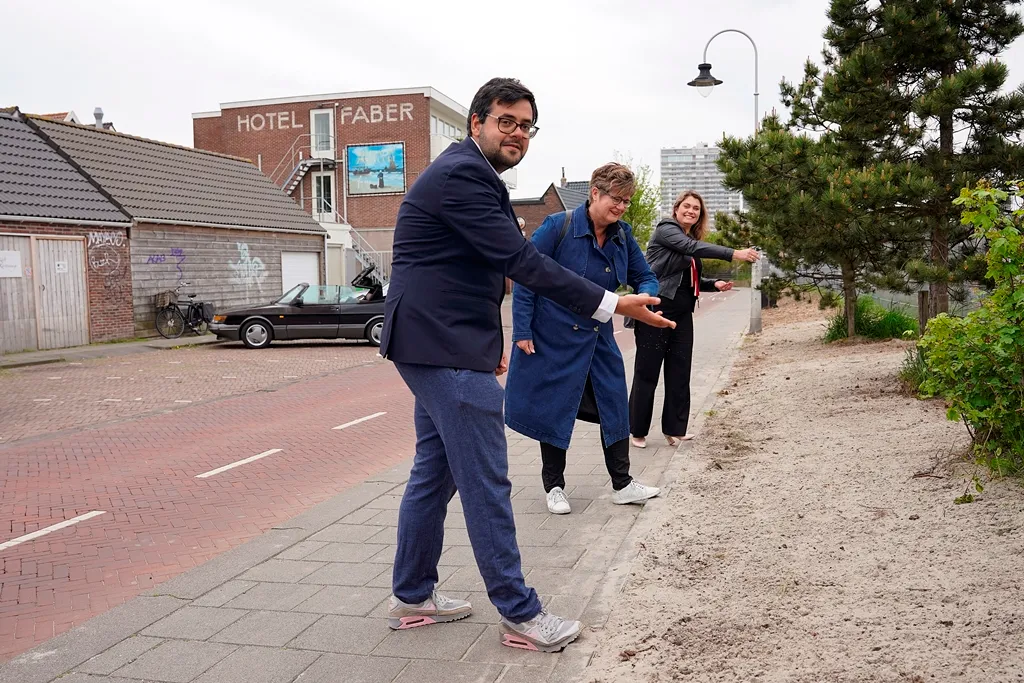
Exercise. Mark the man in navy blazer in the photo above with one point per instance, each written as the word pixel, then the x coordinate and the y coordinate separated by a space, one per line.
pixel 456 239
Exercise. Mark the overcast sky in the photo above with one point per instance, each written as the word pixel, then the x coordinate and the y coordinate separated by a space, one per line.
pixel 609 76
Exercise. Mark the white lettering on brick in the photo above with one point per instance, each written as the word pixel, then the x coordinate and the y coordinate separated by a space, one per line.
pixel 271 116
pixel 392 112
pixel 241 121
pixel 345 112
pixel 376 113
pixel 406 108
pixel 360 114
pixel 282 120
pixel 257 126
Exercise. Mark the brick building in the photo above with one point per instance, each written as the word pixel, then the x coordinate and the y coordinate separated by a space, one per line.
pixel 146 216
pixel 556 198
pixel 61 240
pixel 346 158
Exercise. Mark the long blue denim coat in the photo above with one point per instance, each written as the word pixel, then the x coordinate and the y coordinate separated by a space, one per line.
pixel 543 391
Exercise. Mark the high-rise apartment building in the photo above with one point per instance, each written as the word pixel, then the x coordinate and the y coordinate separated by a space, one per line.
pixel 693 168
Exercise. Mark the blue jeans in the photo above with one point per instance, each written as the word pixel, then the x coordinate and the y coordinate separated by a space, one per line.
pixel 460 446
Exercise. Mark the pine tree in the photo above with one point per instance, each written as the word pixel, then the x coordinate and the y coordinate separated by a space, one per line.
pixel 919 81
pixel 815 211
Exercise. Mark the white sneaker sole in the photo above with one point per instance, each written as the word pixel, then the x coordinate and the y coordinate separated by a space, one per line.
pixel 635 499
pixel 558 512
pixel 518 641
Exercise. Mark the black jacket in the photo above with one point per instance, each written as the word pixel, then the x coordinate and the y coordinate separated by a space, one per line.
pixel 456 240
pixel 669 254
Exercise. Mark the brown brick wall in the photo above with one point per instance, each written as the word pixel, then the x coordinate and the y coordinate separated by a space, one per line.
pixel 238 137
pixel 109 282
pixel 206 134
pixel 535 213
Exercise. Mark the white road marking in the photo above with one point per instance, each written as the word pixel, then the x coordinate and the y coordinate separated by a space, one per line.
pixel 173 377
pixel 291 376
pixel 54 378
pixel 111 400
pixel 223 361
pixel 42 400
pixel 174 362
pixel 239 463
pixel 113 378
pixel 229 377
pixel 183 401
pixel 74 363
pixel 51 528
pixel 362 419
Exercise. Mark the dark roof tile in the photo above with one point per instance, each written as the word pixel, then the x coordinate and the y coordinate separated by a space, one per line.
pixel 36 182
pixel 159 181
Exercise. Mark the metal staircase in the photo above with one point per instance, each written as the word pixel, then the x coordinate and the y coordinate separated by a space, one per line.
pixel 293 167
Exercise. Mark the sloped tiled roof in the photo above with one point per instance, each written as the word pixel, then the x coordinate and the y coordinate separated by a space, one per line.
pixel 570 198
pixel 158 181
pixel 580 186
pixel 36 182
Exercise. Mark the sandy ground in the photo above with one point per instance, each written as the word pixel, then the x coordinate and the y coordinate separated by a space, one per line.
pixel 811 534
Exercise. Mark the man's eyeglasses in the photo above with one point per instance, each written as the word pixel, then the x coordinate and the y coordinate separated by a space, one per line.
pixel 616 200
pixel 508 126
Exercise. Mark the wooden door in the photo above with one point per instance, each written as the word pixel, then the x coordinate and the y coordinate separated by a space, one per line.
pixel 61 293
pixel 17 295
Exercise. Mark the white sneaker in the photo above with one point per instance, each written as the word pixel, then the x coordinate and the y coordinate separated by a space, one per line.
pixel 436 609
pixel 634 493
pixel 544 633
pixel 558 504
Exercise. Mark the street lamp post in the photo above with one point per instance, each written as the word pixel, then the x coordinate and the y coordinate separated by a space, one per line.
pixel 705 83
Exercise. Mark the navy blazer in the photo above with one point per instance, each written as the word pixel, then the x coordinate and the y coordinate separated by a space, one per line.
pixel 456 239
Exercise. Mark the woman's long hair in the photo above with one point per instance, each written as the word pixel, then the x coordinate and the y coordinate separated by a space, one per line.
pixel 699 230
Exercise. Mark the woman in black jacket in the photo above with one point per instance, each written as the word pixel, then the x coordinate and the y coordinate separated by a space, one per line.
pixel 674 254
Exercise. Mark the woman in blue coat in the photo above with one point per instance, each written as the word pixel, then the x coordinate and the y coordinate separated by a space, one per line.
pixel 566 366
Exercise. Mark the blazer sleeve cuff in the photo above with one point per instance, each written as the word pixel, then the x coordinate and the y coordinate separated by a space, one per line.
pixel 606 310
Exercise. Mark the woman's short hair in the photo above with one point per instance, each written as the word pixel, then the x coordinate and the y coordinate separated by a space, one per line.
pixel 700 229
pixel 613 178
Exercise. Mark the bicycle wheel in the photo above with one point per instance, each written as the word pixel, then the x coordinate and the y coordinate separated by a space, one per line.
pixel 169 322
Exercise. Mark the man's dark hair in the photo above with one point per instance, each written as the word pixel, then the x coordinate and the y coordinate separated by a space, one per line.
pixel 505 91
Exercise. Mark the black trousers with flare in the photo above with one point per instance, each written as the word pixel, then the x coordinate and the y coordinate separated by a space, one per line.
pixel 674 348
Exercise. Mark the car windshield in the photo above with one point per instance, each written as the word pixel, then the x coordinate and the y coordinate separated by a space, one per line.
pixel 290 295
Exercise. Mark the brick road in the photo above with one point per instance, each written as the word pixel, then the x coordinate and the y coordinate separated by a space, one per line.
pixel 137 462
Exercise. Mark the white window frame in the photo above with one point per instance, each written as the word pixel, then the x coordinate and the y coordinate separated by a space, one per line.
pixel 313 151
pixel 330 217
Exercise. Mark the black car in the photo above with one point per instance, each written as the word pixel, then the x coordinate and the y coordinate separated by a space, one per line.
pixel 310 312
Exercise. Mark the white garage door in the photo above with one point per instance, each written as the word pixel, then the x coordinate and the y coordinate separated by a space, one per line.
pixel 298 267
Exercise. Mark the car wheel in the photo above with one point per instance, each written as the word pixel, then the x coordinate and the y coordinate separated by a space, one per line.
pixel 373 331
pixel 256 334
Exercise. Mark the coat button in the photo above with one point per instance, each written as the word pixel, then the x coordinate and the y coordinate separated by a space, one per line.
pixel 597 328
pixel 575 327
pixel 607 269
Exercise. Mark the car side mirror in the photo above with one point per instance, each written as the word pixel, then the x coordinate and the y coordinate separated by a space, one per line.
pixel 297 301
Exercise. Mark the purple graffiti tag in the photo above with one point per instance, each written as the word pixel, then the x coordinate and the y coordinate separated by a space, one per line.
pixel 180 254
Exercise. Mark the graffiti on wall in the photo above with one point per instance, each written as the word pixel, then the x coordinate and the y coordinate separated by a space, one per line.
pixel 248 271
pixel 177 255
pixel 105 259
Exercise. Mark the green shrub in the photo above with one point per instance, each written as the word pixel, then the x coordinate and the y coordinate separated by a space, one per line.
pixel 976 363
pixel 913 370
pixel 871 321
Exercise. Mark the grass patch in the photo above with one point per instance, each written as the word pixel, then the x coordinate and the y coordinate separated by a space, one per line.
pixel 872 321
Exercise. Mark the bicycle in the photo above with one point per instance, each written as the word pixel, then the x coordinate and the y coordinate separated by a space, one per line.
pixel 171 321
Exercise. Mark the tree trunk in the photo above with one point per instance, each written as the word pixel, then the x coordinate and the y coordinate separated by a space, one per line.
pixel 939 290
pixel 850 298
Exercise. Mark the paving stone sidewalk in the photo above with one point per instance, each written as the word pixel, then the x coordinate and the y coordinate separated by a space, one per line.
pixel 306 601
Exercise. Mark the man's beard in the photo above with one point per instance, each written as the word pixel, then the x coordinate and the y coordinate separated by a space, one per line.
pixel 500 159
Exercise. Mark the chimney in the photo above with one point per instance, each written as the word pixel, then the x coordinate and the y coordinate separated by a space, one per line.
pixel 564 181
pixel 98 113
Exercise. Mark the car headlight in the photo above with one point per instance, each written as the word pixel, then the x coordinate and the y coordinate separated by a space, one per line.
pixel 219 318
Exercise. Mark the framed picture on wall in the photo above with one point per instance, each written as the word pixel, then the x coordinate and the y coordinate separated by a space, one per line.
pixel 377 168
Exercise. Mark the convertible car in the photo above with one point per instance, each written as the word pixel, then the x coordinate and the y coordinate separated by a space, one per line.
pixel 310 312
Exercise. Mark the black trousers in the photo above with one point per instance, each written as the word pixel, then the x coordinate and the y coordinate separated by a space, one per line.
pixel 616 455
pixel 616 459
pixel 655 345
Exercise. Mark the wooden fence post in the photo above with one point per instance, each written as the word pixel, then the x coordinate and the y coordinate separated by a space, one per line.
pixel 923 307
